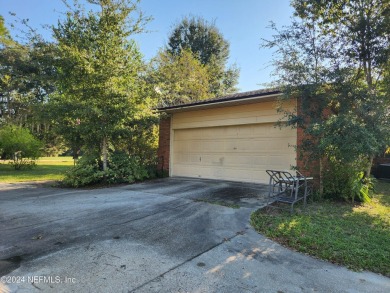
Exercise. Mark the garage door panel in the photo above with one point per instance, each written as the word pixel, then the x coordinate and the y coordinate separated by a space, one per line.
pixel 280 132
pixel 241 153
pixel 193 146
pixel 260 161
pixel 244 132
pixel 181 146
pixel 239 160
pixel 212 145
pixel 181 158
pixel 211 159
pixel 194 159
pixel 279 161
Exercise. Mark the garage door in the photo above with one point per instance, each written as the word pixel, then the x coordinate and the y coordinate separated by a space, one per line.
pixel 238 152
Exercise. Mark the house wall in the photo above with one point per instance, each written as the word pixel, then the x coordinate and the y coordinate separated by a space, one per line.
pixel 256 113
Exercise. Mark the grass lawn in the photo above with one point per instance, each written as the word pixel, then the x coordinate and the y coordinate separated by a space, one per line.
pixel 48 168
pixel 356 236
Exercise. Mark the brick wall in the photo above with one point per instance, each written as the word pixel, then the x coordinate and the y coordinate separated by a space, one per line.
pixel 305 165
pixel 164 140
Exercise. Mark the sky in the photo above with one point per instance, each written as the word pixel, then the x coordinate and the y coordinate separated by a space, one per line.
pixel 243 23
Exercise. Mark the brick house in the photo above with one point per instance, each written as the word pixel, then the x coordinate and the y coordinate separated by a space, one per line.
pixel 230 138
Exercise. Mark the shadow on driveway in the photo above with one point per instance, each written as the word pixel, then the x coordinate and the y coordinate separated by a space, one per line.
pixel 227 193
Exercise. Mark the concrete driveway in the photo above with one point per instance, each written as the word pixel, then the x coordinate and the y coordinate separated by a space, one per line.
pixel 165 235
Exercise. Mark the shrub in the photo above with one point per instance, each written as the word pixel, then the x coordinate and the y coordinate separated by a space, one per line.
pixel 86 172
pixel 23 164
pixel 347 182
pixel 19 145
pixel 125 169
pixel 122 168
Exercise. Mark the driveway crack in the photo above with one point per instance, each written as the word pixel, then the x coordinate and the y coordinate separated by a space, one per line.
pixel 185 262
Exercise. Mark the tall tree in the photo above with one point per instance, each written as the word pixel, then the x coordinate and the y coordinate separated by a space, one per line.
pixel 208 45
pixel 100 70
pixel 4 33
pixel 179 79
pixel 26 79
pixel 334 57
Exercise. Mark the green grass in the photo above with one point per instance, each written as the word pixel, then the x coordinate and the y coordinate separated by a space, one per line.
pixel 356 236
pixel 48 168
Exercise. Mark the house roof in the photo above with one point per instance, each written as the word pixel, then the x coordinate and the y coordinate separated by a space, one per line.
pixel 237 97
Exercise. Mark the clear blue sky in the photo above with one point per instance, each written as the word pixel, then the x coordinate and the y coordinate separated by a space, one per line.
pixel 242 22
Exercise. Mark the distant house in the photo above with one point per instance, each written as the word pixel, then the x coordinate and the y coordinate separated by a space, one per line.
pixel 230 138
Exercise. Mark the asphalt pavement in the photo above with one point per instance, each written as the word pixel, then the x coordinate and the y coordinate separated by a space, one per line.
pixel 166 235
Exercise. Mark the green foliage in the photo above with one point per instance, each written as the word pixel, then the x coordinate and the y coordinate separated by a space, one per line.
pixel 361 188
pixel 356 236
pixel 122 168
pixel 19 144
pixel 125 169
pixel 5 37
pixel 101 86
pixel 207 45
pixel 3 29
pixel 200 37
pixel 22 164
pixel 334 57
pixel 86 172
pixel 347 182
pixel 26 80
pixel 141 140
pixel 87 89
pixel 180 78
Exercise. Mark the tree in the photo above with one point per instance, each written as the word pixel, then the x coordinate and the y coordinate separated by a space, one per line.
pixel 180 79
pixel 100 81
pixel 207 44
pixel 18 143
pixel 334 57
pixel 5 37
pixel 26 80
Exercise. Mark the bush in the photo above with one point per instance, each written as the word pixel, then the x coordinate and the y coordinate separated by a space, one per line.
pixel 22 164
pixel 86 172
pixel 347 182
pixel 125 169
pixel 121 169
pixel 17 144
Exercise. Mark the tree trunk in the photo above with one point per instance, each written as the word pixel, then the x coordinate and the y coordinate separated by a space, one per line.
pixel 321 179
pixel 368 171
pixel 105 153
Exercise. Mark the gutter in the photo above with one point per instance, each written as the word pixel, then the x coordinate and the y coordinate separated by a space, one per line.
pixel 206 103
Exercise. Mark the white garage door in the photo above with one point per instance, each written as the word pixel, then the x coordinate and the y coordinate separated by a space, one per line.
pixel 238 152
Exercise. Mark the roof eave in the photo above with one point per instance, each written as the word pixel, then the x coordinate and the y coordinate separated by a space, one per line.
pixel 220 103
